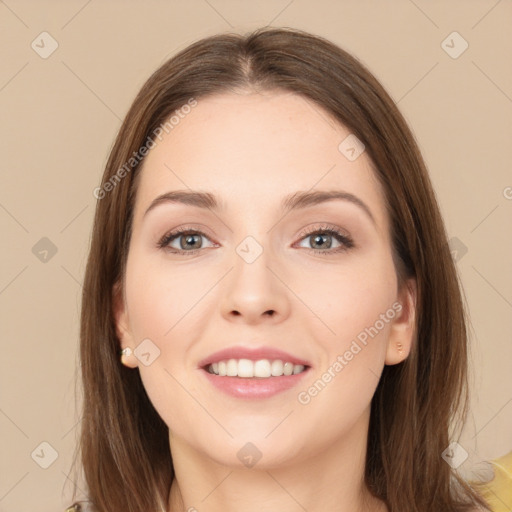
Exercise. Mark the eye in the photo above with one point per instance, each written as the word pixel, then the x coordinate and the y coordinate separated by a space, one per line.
pixel 187 240
pixel 322 238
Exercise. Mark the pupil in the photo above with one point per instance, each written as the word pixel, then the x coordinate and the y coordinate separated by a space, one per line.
pixel 320 237
pixel 190 239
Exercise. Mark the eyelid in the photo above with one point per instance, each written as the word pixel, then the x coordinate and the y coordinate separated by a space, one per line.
pixel 334 230
pixel 343 237
pixel 314 227
pixel 176 232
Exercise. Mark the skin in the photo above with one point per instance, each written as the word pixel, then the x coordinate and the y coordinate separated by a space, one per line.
pixel 250 150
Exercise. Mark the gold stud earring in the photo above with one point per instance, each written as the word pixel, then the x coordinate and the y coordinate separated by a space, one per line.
pixel 126 351
pixel 400 347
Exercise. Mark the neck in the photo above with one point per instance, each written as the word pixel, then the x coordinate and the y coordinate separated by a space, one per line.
pixel 332 479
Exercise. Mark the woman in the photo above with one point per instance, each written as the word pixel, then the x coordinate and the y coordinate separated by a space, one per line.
pixel 269 256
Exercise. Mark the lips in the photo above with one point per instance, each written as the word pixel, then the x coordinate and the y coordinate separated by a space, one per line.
pixel 253 354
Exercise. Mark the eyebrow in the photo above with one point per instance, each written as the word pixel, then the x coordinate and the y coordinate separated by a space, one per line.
pixel 296 201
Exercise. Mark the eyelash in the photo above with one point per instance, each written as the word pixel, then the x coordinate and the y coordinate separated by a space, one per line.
pixel 346 241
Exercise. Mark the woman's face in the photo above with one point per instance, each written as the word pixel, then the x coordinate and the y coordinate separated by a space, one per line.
pixel 261 270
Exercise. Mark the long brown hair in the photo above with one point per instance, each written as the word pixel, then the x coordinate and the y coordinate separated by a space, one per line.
pixel 124 444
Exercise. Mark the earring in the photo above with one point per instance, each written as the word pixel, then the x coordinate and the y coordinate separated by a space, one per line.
pixel 126 360
pixel 400 347
pixel 126 351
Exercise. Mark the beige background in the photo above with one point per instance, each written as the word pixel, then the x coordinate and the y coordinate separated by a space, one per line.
pixel 59 116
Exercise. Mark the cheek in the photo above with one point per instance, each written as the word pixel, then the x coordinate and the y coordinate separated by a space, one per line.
pixel 352 308
pixel 348 297
pixel 352 359
pixel 164 307
pixel 161 299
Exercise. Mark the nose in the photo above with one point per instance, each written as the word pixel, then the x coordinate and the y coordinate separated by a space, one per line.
pixel 255 291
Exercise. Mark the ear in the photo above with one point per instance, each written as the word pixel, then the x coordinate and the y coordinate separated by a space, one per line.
pixel 402 330
pixel 122 324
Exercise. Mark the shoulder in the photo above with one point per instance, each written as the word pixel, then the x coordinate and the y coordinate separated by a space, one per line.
pixel 74 508
pixel 498 491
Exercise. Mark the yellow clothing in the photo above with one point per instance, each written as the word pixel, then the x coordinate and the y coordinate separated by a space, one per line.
pixel 498 492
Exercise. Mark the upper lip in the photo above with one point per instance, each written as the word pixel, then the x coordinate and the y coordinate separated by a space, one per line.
pixel 254 354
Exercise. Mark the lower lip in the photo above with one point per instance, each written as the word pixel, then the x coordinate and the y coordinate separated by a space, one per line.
pixel 240 387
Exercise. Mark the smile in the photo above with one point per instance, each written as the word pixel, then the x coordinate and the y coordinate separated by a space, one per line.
pixel 246 379
pixel 263 368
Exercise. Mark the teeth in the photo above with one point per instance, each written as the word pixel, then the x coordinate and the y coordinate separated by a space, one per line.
pixel 246 368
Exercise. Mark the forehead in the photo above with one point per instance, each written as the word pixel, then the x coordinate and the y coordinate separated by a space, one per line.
pixel 257 148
